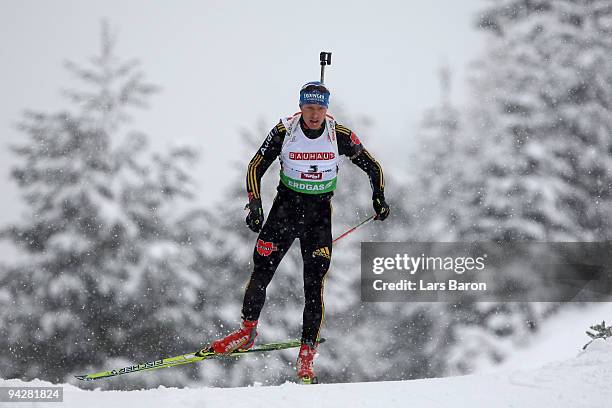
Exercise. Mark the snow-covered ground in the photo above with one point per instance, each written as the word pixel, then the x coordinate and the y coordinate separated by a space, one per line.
pixel 558 338
pixel 584 380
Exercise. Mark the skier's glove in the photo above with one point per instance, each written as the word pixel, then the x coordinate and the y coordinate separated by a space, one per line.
pixel 255 219
pixel 381 207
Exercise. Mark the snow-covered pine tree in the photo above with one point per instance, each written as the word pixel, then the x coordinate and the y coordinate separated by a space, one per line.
pixel 441 166
pixel 542 116
pixel 600 331
pixel 433 209
pixel 113 262
pixel 544 85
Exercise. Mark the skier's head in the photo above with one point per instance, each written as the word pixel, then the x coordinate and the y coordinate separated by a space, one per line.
pixel 314 93
pixel 314 100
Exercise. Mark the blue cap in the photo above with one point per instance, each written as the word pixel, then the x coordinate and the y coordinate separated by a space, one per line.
pixel 314 93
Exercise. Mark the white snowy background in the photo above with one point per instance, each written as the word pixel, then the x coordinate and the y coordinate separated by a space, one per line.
pixel 123 233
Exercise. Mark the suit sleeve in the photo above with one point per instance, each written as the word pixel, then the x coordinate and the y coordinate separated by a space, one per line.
pixel 263 158
pixel 350 146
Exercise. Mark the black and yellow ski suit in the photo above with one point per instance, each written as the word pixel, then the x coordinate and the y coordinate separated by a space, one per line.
pixel 303 216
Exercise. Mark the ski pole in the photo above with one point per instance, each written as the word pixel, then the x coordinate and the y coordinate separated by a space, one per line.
pixel 370 218
pixel 325 58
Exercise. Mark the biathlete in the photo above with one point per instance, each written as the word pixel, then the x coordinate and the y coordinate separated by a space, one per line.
pixel 308 144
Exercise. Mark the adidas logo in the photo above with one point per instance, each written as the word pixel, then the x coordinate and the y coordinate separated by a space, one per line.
pixel 233 345
pixel 324 252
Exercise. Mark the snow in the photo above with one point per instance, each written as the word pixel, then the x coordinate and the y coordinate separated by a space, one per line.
pixel 558 338
pixel 581 381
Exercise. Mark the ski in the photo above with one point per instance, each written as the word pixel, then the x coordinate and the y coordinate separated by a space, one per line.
pixel 187 359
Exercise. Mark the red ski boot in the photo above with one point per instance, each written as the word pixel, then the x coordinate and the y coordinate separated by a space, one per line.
pixel 242 339
pixel 305 363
